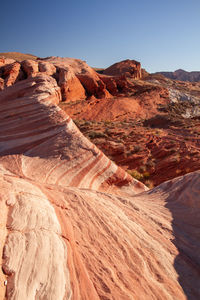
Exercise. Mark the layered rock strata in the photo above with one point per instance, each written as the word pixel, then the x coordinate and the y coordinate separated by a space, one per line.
pixel 76 226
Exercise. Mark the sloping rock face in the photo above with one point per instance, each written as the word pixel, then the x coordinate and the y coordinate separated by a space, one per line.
pixel 51 132
pixel 126 67
pixel 17 56
pixel 76 226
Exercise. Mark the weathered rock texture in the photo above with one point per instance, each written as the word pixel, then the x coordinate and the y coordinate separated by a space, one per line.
pixel 76 226
pixel 126 67
pixel 76 79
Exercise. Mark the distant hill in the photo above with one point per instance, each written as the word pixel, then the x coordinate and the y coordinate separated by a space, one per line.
pixel 182 75
pixel 18 56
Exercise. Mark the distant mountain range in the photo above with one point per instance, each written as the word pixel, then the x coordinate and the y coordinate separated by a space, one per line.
pixel 182 75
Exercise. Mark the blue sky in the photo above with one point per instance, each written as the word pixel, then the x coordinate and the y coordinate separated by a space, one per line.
pixel 162 35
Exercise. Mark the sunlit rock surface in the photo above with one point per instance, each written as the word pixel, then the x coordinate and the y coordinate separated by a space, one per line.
pixel 126 67
pixel 76 226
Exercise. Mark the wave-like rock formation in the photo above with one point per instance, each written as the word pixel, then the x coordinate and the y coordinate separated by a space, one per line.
pixel 76 226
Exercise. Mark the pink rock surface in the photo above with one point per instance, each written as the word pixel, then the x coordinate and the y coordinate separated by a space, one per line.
pixel 47 68
pixel 76 226
pixel 12 73
pixel 6 61
pixel 30 67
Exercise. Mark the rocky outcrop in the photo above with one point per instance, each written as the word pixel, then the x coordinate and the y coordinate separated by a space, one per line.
pixel 47 68
pixel 82 73
pixel 177 95
pixel 10 73
pixel 117 85
pixel 30 67
pixel 126 67
pixel 75 78
pixel 180 94
pixel 71 87
pixel 6 61
pixel 76 226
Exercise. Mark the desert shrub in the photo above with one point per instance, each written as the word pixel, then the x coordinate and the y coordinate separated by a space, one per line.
pixel 135 174
pixel 178 171
pixel 128 153
pixel 146 174
pixel 173 142
pixel 137 148
pixel 143 169
pixel 96 134
pixel 77 122
pixel 108 131
pixel 150 164
pixel 173 150
pixel 149 183
pixel 107 122
pixel 158 132
pixel 176 158
pixel 88 123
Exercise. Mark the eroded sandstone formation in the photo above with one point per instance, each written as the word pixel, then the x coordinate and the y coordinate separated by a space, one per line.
pixel 76 79
pixel 126 67
pixel 76 226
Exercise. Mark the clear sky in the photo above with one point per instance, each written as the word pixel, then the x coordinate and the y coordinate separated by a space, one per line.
pixel 162 34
